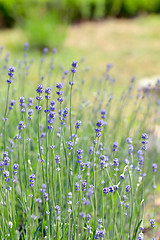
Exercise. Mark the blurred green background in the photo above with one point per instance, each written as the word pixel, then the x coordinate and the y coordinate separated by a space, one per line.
pixel 40 19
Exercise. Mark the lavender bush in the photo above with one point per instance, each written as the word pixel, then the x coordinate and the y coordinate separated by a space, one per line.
pixel 75 162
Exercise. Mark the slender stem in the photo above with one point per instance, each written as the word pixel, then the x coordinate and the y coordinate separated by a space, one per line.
pixel 47 145
pixel 5 115
pixel 71 108
pixel 39 144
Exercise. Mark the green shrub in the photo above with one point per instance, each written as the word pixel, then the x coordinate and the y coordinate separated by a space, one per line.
pixel 44 29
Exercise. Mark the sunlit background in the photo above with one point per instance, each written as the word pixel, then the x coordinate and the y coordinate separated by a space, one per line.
pixel 125 33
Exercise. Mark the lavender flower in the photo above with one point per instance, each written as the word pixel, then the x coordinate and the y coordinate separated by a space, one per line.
pixel 128 188
pixel 26 45
pixel 57 158
pixel 73 69
pixel 30 101
pixel 47 91
pixel 11 70
pixel 59 86
pixel 88 217
pixel 52 107
pixel 144 141
pixel 32 177
pixel 154 167
pixel 111 189
pixel 116 162
pixel 12 103
pixel 122 176
pixel 45 195
pixel 90 192
pixel 90 150
pixel 1 166
pixel 103 113
pixel 40 89
pixel 70 145
pixel 83 185
pixel 129 140
pixel 6 174
pixel 33 217
pixel 98 130
pixel 115 146
pixel 144 136
pixel 6 159
pixel 152 222
pixel 89 228
pixel 130 149
pixel 79 155
pixel 140 236
pixel 77 186
pixel 78 124
pixel 21 125
pixel 57 211
pixel 63 118
pixel 15 168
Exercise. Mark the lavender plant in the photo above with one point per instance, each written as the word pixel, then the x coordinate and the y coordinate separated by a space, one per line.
pixel 71 169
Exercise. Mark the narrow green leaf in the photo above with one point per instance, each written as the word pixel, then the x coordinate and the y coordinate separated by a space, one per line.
pixel 136 230
pixel 38 228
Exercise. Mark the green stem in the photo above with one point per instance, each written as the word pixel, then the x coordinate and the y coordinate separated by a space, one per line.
pixel 5 115
pixel 71 109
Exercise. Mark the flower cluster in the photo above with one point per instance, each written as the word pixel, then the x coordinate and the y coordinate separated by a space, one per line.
pixel 140 155
pixel 39 98
pixel 140 236
pixel 22 104
pixel 103 113
pixel 115 147
pixel 83 185
pixel 73 69
pixel 152 222
pixel 130 146
pixel 32 177
pixel 63 118
pixel 59 86
pixel 6 175
pixel 57 158
pixel 1 166
pixel 58 212
pixel 70 145
pixel 51 118
pixel 79 155
pixel 6 159
pixel 90 150
pixel 12 103
pixel 11 70
pixel 100 232
pixel 154 167
pixel 76 186
pixel 78 124
pixel 98 129
pixel 128 188
pixel 103 162
pixel 15 168
pixel 144 141
pixel 69 202
pixel 47 92
pixel 21 125
pixel 30 113
pixel 30 102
